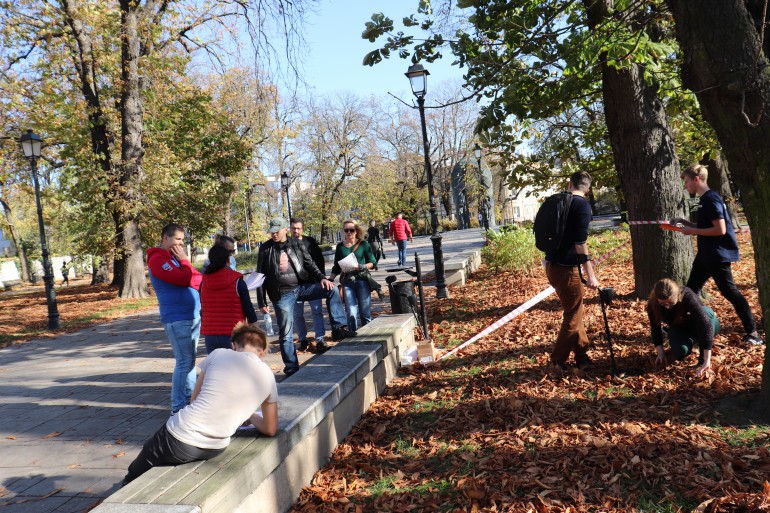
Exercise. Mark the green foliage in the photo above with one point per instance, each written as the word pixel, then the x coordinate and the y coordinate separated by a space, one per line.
pixel 513 250
pixel 246 259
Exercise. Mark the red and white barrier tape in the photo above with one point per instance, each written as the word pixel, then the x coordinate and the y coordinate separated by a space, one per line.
pixel 633 223
pixel 523 308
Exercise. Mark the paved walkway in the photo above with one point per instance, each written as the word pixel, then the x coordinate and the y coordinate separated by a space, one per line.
pixel 75 410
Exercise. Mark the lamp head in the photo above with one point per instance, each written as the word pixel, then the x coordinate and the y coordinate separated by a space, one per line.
pixel 31 144
pixel 285 180
pixel 418 79
pixel 477 151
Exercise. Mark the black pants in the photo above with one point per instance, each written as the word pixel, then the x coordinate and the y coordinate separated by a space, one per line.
pixel 162 450
pixel 723 277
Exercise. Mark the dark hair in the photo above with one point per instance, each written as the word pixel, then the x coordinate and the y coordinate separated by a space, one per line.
pixel 245 334
pixel 222 239
pixel 171 229
pixel 218 259
pixel 299 220
pixel 580 180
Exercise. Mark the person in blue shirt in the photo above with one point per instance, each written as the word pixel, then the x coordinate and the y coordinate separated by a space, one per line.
pixel 717 247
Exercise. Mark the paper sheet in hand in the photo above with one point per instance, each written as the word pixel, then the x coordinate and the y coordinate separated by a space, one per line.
pixel 254 280
pixel 349 263
pixel 672 227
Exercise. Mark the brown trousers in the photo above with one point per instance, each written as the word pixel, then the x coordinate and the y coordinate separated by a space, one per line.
pixel 572 335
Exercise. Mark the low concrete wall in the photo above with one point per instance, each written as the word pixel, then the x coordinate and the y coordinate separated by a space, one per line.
pixel 318 407
pixel 458 268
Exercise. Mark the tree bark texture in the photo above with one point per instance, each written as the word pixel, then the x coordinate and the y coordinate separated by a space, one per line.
pixel 643 149
pixel 16 238
pixel 101 273
pixel 726 65
pixel 134 283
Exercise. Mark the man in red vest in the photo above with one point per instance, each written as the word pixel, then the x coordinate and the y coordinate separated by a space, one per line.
pixel 399 232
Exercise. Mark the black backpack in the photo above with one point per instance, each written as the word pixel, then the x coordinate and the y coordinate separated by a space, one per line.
pixel 550 223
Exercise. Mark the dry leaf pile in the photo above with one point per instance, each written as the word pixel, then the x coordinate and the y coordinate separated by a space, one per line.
pixel 493 430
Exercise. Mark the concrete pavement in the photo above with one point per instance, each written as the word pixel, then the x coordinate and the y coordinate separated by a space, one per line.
pixel 74 410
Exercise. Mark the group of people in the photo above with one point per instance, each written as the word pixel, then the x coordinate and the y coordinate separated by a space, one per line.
pixel 688 321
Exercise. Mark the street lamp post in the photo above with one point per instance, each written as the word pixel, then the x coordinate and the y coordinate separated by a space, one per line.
pixel 484 201
pixel 418 79
pixel 32 144
pixel 285 185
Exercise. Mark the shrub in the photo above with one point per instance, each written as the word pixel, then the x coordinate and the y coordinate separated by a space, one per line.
pixel 246 259
pixel 512 250
pixel 448 224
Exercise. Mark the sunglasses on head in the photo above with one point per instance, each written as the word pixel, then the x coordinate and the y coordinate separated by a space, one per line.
pixel 349 230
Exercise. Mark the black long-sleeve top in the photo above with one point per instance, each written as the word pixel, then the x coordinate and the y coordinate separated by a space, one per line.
pixel 687 314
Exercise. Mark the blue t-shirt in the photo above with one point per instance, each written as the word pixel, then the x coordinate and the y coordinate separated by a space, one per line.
pixel 575 231
pixel 715 249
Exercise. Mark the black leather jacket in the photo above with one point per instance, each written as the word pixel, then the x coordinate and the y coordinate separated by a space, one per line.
pixel 268 262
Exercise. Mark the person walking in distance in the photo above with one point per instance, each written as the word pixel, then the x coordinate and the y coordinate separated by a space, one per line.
pixel 291 276
pixel 399 233
pixel 561 268
pixel 717 247
pixel 375 241
pixel 176 283
pixel 298 232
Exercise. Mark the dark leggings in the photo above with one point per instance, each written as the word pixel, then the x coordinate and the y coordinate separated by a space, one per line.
pixel 682 340
pixel 723 277
pixel 163 450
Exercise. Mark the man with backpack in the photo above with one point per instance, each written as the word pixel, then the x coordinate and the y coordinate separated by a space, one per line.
pixel 561 230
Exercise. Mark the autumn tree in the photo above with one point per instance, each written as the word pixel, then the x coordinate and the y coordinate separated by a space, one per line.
pixel 531 60
pixel 726 54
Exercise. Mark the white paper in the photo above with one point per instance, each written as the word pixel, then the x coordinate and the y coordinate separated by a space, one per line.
pixel 254 280
pixel 349 263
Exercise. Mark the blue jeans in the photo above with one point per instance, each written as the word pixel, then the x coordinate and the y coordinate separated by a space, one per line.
pixel 358 299
pixel 217 341
pixel 401 245
pixel 183 336
pixel 318 319
pixel 284 314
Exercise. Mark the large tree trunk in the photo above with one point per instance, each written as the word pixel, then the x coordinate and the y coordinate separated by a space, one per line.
pixel 643 149
pixel 101 273
pixel 132 116
pixel 727 68
pixel 16 238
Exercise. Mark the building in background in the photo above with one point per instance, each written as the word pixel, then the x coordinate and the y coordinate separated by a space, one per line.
pixel 7 247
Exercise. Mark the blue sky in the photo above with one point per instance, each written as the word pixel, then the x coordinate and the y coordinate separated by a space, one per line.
pixel 337 50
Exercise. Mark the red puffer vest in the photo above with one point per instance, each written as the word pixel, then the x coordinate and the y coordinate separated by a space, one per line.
pixel 221 306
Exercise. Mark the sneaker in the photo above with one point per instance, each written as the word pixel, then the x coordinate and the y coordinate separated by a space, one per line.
pixel 558 367
pixel 304 345
pixel 342 333
pixel 289 372
pixel 321 347
pixel 753 340
pixel 584 364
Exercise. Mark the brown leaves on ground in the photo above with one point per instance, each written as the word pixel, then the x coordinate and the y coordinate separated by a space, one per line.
pixel 492 430
pixel 24 311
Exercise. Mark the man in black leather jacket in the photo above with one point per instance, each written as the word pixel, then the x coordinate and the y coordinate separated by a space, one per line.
pixel 291 276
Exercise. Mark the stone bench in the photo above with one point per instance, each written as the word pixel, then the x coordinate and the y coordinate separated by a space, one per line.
pixel 317 408
pixel 460 266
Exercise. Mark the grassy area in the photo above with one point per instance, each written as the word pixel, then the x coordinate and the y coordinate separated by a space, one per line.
pixel 24 313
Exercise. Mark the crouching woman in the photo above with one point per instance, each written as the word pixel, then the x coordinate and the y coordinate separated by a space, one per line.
pixel 688 320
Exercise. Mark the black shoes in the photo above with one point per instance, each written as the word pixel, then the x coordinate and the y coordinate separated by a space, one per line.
pixel 342 333
pixel 753 340
pixel 321 347
pixel 303 345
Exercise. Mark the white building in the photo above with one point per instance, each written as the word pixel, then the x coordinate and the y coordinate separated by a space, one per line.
pixel 6 245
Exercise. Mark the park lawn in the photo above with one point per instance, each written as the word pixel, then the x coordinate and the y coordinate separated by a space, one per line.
pixel 24 313
pixel 492 430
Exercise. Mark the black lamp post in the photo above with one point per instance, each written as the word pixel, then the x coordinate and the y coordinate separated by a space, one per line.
pixel 418 79
pixel 32 144
pixel 484 201
pixel 285 185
